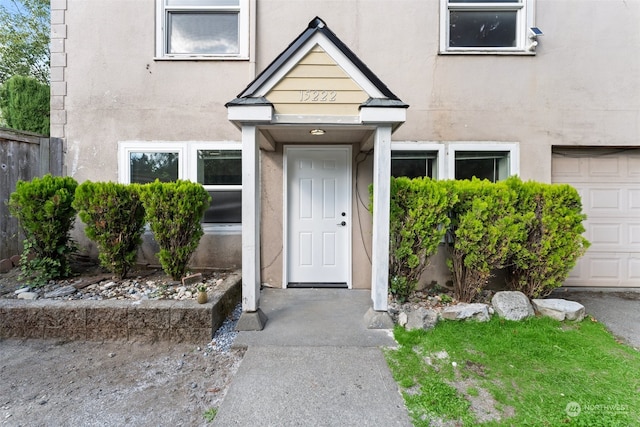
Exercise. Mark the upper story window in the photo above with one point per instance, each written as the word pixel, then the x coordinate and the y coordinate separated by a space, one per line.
pixel 484 26
pixel 202 29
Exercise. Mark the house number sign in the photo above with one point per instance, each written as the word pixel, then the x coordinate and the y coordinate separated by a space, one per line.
pixel 311 95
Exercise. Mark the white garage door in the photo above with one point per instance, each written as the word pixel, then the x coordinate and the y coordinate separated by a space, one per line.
pixel 608 181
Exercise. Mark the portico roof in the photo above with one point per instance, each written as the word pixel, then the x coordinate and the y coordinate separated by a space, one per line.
pixel 317 79
pixel 316 26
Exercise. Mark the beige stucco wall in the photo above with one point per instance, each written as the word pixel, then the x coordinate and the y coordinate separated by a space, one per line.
pixel 582 88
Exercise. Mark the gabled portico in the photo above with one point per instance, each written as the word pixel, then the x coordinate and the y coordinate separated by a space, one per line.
pixel 309 109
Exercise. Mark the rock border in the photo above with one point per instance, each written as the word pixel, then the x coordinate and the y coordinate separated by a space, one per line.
pixel 125 320
pixel 509 305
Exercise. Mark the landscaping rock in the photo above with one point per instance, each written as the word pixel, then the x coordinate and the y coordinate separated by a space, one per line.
pixel 559 309
pixel 5 265
pixel 464 311
pixel 15 260
pixel 422 318
pixel 22 290
pixel 28 295
pixel 512 305
pixel 402 319
pixel 61 292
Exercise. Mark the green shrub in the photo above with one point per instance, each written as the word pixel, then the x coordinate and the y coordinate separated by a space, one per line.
pixel 553 242
pixel 418 221
pixel 44 209
pixel 114 218
pixel 483 225
pixel 174 211
pixel 24 103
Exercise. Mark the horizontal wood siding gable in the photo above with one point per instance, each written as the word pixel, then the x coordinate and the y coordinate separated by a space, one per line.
pixel 317 86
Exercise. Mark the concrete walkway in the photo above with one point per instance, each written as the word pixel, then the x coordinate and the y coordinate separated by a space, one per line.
pixel 314 364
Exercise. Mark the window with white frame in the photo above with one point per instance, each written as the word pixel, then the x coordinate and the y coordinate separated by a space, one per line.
pixel 492 161
pixel 414 164
pixel 215 165
pixel 486 26
pixel 417 159
pixel 202 29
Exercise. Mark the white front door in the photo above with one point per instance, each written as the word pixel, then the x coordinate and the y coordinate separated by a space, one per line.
pixel 318 216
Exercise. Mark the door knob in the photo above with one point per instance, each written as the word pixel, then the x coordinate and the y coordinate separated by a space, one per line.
pixel 343 223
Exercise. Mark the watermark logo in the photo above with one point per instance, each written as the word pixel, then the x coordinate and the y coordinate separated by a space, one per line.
pixel 573 409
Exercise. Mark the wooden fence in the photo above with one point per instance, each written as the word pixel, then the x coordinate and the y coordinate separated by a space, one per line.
pixel 23 156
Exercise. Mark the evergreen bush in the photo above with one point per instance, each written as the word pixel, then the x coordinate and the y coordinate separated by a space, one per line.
pixel 479 238
pixel 44 210
pixel 24 103
pixel 418 221
pixel 114 218
pixel 174 211
pixel 542 259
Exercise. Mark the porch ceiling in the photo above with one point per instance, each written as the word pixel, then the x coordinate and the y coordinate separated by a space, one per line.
pixel 333 134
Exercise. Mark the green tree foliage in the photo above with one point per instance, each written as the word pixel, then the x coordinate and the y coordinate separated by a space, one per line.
pixel 418 222
pixel 44 209
pixel 174 211
pixel 24 103
pixel 114 218
pixel 545 254
pixel 483 225
pixel 24 39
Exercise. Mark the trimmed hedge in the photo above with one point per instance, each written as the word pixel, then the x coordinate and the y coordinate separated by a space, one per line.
pixel 174 211
pixel 483 226
pixel 44 209
pixel 114 218
pixel 531 230
pixel 418 221
pixel 544 257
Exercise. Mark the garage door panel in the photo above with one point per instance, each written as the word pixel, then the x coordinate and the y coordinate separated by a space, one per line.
pixel 634 167
pixel 634 269
pixel 604 234
pixel 605 167
pixel 634 199
pixel 611 270
pixel 634 235
pixel 607 235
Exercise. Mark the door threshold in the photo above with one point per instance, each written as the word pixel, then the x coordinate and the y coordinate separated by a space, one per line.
pixel 325 285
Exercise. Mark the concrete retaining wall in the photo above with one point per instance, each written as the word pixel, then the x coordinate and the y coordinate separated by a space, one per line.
pixel 145 321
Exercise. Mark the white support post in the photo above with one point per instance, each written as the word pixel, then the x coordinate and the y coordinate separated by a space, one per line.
pixel 250 219
pixel 381 209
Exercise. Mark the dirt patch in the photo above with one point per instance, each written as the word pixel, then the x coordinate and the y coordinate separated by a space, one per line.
pixel 49 382
pixel 111 383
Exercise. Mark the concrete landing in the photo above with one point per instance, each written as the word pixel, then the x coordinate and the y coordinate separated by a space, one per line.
pixel 316 317
pixel 314 364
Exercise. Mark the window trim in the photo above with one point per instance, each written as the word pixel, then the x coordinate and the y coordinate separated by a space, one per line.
pixel 525 20
pixel 161 32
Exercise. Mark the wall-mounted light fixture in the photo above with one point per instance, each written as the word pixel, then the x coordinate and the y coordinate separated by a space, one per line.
pixel 317 132
pixel 534 32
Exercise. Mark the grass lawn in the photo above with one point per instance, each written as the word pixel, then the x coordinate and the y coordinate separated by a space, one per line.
pixel 538 372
